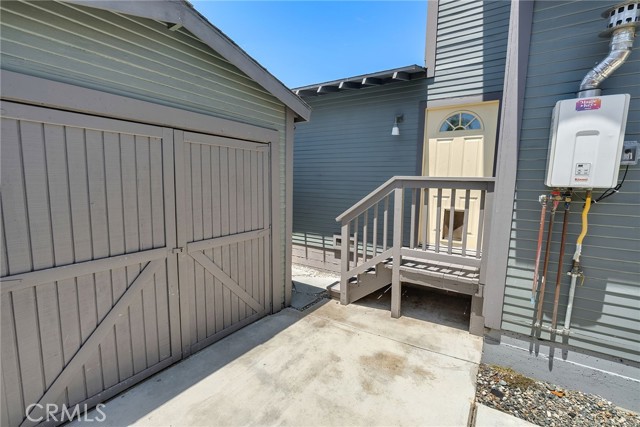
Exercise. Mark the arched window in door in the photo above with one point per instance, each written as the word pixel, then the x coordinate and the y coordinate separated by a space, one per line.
pixel 461 120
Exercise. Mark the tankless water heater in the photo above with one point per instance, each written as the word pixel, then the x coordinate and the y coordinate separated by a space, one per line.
pixel 586 141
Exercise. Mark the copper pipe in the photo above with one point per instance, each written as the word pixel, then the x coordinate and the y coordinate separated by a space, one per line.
pixel 543 215
pixel 556 299
pixel 545 266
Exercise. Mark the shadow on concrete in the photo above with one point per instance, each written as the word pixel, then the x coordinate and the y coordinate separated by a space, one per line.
pixel 140 400
pixel 430 305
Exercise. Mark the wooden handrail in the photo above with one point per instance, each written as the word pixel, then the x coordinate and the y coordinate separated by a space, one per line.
pixel 458 183
pixel 397 185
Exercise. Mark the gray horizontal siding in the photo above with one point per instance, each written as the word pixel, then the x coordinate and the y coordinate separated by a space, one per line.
pixel 347 150
pixel 135 57
pixel 127 55
pixel 606 319
pixel 470 48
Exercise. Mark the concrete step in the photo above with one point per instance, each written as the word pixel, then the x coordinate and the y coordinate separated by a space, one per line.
pixel 334 290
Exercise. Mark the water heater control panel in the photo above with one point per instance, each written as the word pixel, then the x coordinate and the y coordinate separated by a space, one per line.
pixel 586 141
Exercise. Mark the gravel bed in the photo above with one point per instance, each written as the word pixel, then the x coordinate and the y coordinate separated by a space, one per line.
pixel 546 404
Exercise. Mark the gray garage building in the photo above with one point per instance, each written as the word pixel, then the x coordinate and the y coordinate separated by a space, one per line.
pixel 146 195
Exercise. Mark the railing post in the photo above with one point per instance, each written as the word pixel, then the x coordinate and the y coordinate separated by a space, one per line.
pixel 398 204
pixel 344 264
pixel 412 238
pixel 483 245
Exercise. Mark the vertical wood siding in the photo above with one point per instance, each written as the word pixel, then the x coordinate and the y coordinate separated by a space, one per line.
pixel 138 58
pixel 606 313
pixel 347 150
pixel 470 48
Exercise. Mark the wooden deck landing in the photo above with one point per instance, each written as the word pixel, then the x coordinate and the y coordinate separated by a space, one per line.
pixel 441 275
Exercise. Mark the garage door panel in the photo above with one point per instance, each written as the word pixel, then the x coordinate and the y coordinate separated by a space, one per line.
pixel 71 339
pixel 114 192
pixel 97 193
pixel 221 302
pixel 207 192
pixel 163 331
pixel 218 295
pixel 42 347
pixel 221 141
pixel 79 194
pixel 37 197
pixel 83 375
pixel 13 402
pixel 143 191
pixel 223 190
pixel 200 302
pixel 50 331
pixel 4 260
pixel 13 200
pixel 210 298
pixel 157 194
pixel 59 194
pixel 241 277
pixel 223 198
pixel 4 406
pixel 28 346
pixel 82 211
pixel 64 200
pixel 122 332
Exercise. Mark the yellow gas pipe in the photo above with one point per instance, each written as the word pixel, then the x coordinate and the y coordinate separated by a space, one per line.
pixel 576 271
pixel 585 226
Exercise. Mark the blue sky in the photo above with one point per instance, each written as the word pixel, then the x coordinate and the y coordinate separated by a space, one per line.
pixel 306 42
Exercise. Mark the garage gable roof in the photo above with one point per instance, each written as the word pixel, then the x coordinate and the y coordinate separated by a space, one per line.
pixel 182 14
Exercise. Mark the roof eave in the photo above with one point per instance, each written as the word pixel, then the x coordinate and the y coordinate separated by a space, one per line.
pixel 408 73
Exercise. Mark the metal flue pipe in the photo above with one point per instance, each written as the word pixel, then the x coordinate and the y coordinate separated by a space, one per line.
pixel 621 44
pixel 623 20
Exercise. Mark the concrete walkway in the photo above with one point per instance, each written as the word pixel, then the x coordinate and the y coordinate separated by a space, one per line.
pixel 489 417
pixel 327 366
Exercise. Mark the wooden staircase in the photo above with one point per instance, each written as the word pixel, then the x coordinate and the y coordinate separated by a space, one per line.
pixel 374 278
pixel 368 263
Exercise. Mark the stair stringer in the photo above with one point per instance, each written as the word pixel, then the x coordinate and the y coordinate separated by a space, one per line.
pixel 369 282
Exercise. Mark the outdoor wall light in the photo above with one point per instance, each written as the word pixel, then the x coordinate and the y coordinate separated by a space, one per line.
pixel 395 130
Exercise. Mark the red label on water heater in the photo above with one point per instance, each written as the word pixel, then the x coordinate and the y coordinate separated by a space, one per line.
pixel 588 104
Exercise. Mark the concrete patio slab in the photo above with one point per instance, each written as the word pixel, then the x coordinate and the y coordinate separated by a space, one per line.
pixel 430 320
pixel 332 365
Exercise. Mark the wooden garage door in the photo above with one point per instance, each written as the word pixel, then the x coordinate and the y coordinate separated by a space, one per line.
pixel 125 247
pixel 224 230
pixel 89 289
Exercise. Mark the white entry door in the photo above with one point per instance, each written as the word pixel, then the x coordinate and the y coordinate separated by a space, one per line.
pixel 459 142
